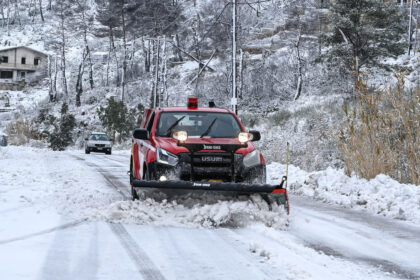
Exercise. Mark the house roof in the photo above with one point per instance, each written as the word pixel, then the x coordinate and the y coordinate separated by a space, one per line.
pixel 17 47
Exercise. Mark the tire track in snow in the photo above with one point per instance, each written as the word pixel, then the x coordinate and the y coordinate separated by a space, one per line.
pixel 143 263
pixel 14 209
pixel 383 265
pixel 393 227
pixel 364 229
pixel 46 231
pixel 112 180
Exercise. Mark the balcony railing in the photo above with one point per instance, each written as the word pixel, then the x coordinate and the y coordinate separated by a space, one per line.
pixel 19 66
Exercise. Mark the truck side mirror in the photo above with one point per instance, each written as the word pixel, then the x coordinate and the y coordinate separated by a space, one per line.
pixel 256 135
pixel 86 139
pixel 141 134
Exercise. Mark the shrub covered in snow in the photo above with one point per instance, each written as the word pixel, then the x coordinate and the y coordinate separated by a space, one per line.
pixel 61 136
pixel 116 117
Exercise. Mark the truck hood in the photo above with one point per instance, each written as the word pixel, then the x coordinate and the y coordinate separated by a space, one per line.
pixel 170 145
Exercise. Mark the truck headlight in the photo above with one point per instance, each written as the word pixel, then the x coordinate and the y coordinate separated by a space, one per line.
pixel 244 137
pixel 252 159
pixel 165 157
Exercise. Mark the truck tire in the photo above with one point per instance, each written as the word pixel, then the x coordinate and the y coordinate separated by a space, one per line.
pixel 134 195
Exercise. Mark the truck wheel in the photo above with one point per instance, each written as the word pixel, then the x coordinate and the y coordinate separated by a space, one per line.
pixel 134 195
pixel 87 151
pixel 108 153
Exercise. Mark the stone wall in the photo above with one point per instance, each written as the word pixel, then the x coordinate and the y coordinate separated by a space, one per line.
pixel 12 86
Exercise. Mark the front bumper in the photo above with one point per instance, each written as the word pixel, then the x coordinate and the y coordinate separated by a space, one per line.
pixel 204 171
pixel 99 149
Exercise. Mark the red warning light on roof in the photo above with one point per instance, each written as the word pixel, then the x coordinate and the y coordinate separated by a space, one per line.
pixel 192 103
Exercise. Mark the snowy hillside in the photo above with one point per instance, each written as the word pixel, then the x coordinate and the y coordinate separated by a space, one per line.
pixel 267 64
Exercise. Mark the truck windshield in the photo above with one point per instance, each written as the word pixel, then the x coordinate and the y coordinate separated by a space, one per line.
pixel 198 124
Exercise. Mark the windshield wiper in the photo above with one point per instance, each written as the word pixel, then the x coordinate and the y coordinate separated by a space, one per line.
pixel 208 129
pixel 168 132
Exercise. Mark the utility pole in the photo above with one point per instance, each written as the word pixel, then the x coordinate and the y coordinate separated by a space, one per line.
pixel 234 99
pixel 156 100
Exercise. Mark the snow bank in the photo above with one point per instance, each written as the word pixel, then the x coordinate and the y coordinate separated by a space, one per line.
pixel 381 195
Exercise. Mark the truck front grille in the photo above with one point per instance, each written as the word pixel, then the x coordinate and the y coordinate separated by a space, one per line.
pixel 209 165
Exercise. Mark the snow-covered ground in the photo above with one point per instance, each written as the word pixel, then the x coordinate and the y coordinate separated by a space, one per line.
pixel 68 215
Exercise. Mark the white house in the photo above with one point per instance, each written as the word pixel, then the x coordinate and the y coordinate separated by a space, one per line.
pixel 20 64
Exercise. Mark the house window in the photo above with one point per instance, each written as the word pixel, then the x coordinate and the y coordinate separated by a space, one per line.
pixel 6 75
pixel 37 61
pixel 4 59
pixel 23 60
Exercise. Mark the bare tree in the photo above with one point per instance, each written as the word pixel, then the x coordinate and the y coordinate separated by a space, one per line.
pixel 299 67
pixel 16 16
pixel 62 25
pixel 79 82
pixel 2 13
pixel 164 94
pixel 8 17
pixel 124 66
pixel 156 79
pixel 53 79
pixel 410 23
pixel 108 14
pixel 146 53
pixel 85 22
pixel 40 10
pixel 50 92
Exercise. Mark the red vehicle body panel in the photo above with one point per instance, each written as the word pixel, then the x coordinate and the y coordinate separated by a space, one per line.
pixel 144 151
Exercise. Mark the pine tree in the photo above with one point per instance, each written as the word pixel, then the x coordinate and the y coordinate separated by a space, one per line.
pixel 116 117
pixel 363 32
pixel 61 137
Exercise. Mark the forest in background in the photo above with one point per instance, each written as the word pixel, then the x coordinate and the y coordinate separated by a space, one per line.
pixel 298 64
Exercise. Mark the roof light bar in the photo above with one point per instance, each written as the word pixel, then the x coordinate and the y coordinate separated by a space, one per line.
pixel 192 103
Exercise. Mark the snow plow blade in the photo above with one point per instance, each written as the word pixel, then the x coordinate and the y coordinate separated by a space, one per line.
pixel 270 193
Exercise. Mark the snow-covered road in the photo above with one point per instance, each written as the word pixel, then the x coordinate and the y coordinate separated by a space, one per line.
pixel 69 216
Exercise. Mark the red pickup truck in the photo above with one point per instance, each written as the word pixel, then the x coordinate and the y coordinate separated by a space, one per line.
pixel 199 148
